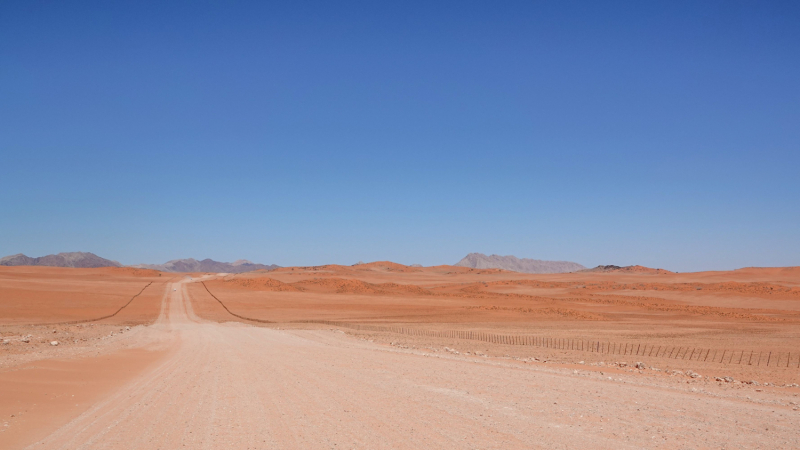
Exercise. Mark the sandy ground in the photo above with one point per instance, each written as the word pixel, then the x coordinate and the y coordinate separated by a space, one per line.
pixel 743 324
pixel 188 381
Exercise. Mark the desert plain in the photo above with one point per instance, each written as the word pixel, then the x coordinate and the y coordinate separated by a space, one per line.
pixel 383 355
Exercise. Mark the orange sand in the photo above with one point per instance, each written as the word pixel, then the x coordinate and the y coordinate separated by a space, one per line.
pixel 40 295
pixel 748 310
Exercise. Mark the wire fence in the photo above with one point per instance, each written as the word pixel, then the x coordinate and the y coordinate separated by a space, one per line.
pixel 74 322
pixel 685 353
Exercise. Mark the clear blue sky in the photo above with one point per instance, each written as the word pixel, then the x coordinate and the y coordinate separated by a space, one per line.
pixel 665 134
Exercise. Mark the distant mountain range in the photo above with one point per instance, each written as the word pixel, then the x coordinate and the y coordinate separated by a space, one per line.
pixel 524 265
pixel 207 265
pixel 87 260
pixel 70 259
pixel 627 269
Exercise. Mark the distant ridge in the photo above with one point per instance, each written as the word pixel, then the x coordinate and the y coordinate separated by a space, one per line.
pixel 628 269
pixel 207 265
pixel 83 260
pixel 524 265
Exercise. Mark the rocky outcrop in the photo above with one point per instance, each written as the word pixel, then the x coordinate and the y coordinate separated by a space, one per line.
pixel 512 263
pixel 82 260
pixel 207 265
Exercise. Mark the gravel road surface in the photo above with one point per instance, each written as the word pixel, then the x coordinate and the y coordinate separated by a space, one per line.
pixel 238 386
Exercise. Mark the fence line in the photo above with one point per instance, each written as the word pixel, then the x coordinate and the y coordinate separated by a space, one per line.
pixel 73 322
pixel 782 359
pixel 725 356
pixel 231 312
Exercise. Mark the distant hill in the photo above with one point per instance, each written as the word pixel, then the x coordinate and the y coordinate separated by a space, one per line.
pixel 627 269
pixel 207 265
pixel 72 259
pixel 524 265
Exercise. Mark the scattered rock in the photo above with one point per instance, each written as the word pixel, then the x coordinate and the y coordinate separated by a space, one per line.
pixel 728 379
pixel 692 374
pixel 53 343
pixel 623 364
pixel 640 365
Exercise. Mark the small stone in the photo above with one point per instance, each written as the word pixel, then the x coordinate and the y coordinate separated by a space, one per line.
pixel 623 364
pixel 640 365
pixel 53 343
pixel 728 379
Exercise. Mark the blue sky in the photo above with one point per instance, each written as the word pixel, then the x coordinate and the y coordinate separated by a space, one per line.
pixel 302 133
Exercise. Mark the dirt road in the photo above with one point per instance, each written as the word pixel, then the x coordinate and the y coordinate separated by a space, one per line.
pixel 239 386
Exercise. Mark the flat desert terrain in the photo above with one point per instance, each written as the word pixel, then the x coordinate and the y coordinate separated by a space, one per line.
pixel 382 355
